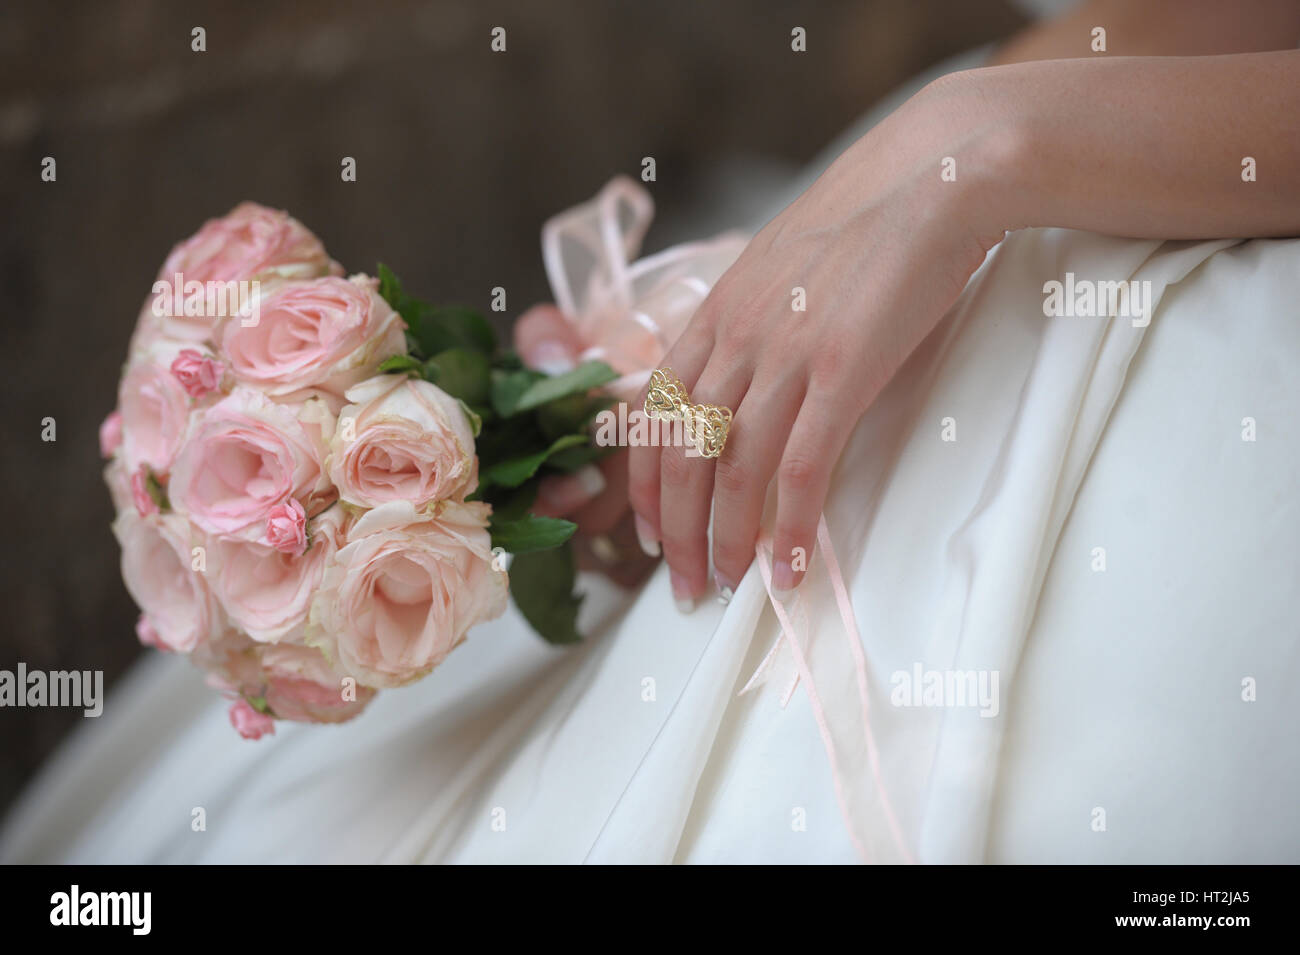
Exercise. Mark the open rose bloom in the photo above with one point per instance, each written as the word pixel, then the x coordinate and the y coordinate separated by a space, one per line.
pixel 301 563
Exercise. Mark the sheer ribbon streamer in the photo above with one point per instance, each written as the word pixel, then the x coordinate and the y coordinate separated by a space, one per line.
pixel 628 312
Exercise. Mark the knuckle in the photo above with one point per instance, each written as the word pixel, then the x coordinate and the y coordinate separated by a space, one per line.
pixel 731 476
pixel 685 552
pixel 829 365
pixel 732 554
pixel 643 492
pixel 675 469
pixel 798 474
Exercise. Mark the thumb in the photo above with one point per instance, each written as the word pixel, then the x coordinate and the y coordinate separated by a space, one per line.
pixel 545 340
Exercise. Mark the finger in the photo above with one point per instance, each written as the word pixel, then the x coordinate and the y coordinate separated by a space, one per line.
pixel 686 491
pixel 546 340
pixel 687 359
pixel 615 554
pixel 744 471
pixel 559 495
pixel 608 509
pixel 816 442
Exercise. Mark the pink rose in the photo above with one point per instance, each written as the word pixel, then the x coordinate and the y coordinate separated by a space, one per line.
pixel 250 723
pixel 140 496
pixel 119 486
pixel 110 434
pixel 155 413
pixel 286 528
pixel 266 592
pixel 297 682
pixel 250 243
pixel 148 635
pixel 231 663
pixel 402 439
pixel 302 686
pixel 326 333
pixel 197 372
pixel 403 591
pixel 157 568
pixel 245 455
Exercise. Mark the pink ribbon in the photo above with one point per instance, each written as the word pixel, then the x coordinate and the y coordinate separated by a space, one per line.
pixel 790 634
pixel 629 312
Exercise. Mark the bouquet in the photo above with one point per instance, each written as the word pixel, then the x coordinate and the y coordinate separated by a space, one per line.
pixel 322 482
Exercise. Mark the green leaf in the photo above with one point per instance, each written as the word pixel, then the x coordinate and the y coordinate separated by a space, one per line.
pixel 431 329
pixel 509 360
pixel 571 459
pixel 531 533
pixel 506 438
pixel 390 287
pixel 509 386
pixel 153 487
pixel 439 328
pixel 516 471
pixel 591 374
pixel 399 364
pixel 513 503
pixel 542 586
pixel 461 373
pixel 570 414
pixel 475 419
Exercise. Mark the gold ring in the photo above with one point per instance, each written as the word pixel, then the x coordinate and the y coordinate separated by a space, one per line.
pixel 667 398
pixel 707 426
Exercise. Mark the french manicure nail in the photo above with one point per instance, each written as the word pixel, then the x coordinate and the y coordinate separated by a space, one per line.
pixel 681 593
pixel 725 589
pixel 590 480
pixel 552 358
pixel 645 534
pixel 782 580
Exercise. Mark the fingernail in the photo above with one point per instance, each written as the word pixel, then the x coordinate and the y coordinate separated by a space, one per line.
pixel 725 588
pixel 551 357
pixel 782 580
pixel 604 550
pixel 563 494
pixel 646 535
pixel 590 480
pixel 681 593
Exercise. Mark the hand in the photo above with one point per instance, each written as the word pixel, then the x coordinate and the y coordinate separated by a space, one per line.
pixel 880 246
pixel 596 496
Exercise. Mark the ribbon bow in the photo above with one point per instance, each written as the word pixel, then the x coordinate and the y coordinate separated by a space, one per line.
pixel 628 311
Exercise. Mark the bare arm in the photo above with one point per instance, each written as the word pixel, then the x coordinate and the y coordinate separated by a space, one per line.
pixel 1159 28
pixel 883 243
pixel 1155 147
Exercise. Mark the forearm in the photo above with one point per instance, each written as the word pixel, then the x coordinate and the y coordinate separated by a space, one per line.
pixel 1150 147
pixel 1158 28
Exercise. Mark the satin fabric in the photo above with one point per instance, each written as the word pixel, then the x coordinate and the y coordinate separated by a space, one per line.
pixel 1122 734
pixel 1121 689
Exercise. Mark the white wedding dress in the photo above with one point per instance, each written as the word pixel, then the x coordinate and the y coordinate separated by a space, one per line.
pixel 1102 533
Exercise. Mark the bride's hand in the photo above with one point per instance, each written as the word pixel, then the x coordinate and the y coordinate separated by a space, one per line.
pixel 595 497
pixel 876 250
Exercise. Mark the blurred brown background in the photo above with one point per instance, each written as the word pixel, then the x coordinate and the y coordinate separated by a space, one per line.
pixel 461 154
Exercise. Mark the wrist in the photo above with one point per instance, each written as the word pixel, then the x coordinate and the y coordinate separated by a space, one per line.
pixel 989 140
